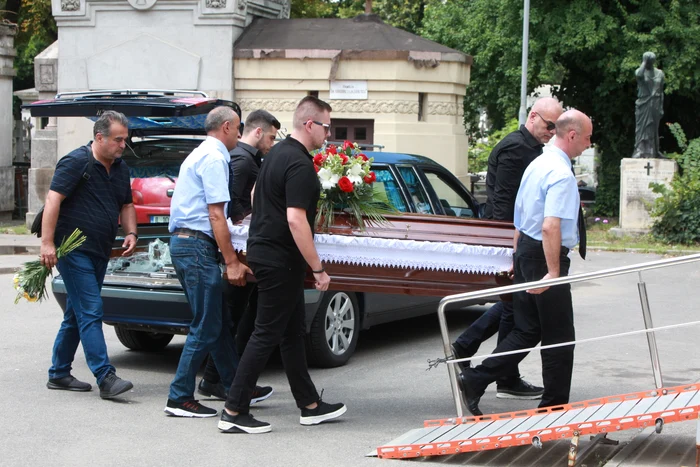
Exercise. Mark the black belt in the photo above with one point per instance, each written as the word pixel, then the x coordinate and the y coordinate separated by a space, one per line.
pixel 195 234
pixel 527 238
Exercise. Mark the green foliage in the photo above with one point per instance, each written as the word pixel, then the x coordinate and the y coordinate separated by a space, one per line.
pixel 403 14
pixel 479 152
pixel 677 210
pixel 590 49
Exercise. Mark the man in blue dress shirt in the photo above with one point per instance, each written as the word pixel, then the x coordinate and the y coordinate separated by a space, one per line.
pixel 546 222
pixel 198 225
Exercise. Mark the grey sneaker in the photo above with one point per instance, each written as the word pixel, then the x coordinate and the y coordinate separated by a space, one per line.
pixel 68 383
pixel 113 385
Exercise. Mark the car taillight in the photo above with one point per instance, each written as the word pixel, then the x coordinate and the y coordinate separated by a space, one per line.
pixel 137 197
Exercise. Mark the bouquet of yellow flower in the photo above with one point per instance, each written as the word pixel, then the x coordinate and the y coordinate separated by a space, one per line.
pixel 30 282
pixel 346 184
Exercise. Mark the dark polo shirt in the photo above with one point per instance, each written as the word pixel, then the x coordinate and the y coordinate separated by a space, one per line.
pixel 94 207
pixel 243 172
pixel 287 179
pixel 507 164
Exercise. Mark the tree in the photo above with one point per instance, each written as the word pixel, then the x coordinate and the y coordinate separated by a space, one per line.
pixel 404 14
pixel 588 48
pixel 36 31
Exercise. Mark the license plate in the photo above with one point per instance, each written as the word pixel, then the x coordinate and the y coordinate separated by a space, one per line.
pixel 160 219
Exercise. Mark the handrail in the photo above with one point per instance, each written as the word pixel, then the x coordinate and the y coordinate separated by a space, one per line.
pixel 469 296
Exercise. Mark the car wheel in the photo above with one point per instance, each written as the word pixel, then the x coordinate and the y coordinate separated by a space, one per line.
pixel 142 340
pixel 334 330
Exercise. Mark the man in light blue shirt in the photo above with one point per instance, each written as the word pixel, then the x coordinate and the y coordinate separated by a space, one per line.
pixel 546 214
pixel 198 225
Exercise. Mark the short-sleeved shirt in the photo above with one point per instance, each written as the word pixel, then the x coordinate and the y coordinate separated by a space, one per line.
pixel 243 172
pixel 287 179
pixel 507 163
pixel 203 180
pixel 94 205
pixel 548 189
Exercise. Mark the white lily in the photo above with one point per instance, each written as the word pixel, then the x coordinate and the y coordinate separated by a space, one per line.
pixel 355 174
pixel 328 179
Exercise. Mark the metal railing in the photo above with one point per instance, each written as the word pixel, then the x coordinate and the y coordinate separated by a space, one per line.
pixel 469 296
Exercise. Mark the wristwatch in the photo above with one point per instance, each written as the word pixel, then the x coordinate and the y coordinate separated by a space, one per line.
pixel 132 233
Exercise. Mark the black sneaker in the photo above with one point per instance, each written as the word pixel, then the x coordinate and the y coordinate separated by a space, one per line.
pixel 261 393
pixel 113 385
pixel 323 412
pixel 242 423
pixel 520 390
pixel 191 409
pixel 457 353
pixel 215 391
pixel 68 383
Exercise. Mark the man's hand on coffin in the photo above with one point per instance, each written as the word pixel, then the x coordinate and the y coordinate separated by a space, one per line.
pixel 322 280
pixel 235 273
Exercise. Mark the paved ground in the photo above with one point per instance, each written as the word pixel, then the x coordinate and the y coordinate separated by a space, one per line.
pixel 386 387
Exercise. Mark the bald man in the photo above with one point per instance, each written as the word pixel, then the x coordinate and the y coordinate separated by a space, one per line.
pixel 545 218
pixel 507 163
pixel 199 232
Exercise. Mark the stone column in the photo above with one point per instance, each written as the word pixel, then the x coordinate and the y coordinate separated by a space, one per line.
pixel 44 141
pixel 7 72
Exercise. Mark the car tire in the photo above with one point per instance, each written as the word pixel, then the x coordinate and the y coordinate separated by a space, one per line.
pixel 142 340
pixel 334 330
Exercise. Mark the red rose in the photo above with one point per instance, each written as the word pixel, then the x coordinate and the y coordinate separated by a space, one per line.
pixel 345 185
pixel 347 144
pixel 343 159
pixel 319 159
pixel 363 157
pixel 332 149
pixel 370 178
pixel 317 168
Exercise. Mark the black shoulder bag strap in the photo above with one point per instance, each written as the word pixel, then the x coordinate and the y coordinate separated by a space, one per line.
pixel 36 224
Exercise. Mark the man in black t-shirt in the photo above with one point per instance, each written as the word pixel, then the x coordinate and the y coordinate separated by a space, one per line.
pixel 94 205
pixel 280 246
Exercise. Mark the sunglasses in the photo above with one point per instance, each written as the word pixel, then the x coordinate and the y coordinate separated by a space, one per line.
pixel 550 125
pixel 327 126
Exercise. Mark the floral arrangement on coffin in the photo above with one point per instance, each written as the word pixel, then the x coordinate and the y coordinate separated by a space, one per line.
pixel 30 281
pixel 347 185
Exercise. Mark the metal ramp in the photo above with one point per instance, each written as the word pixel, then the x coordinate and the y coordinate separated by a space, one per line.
pixel 608 414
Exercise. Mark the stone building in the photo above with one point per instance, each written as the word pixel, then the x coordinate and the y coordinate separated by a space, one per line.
pixel 387 87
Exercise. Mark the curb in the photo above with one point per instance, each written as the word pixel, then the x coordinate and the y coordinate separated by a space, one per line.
pixel 9 269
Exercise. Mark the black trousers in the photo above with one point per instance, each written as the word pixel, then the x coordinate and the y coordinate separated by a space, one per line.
pixel 241 304
pixel 280 321
pixel 547 317
pixel 498 318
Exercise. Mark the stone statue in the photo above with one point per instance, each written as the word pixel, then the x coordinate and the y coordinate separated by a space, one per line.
pixel 649 108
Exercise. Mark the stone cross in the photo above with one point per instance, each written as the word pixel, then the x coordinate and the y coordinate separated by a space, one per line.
pixel 648 167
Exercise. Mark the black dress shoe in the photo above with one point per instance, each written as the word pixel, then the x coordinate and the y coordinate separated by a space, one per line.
pixel 457 353
pixel 68 383
pixel 470 395
pixel 213 390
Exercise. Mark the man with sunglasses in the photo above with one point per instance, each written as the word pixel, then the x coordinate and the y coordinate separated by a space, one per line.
pixel 280 248
pixel 506 166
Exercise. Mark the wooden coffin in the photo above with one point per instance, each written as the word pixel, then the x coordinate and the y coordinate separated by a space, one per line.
pixel 417 280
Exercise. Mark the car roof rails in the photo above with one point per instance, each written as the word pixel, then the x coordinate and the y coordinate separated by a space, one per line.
pixel 131 93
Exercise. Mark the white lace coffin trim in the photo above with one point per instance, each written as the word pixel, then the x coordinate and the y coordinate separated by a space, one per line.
pixel 384 252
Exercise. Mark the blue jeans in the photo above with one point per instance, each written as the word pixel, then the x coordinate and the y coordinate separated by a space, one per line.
pixel 197 267
pixel 82 320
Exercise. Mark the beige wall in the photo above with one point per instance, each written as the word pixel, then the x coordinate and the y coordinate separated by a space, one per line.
pixel 393 88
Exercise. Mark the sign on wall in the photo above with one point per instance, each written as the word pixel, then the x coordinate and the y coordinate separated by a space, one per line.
pixel 348 90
